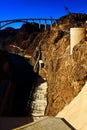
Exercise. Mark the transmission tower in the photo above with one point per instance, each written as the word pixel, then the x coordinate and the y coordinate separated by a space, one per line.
pixel 67 10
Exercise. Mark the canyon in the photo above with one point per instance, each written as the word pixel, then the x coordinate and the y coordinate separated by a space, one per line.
pixel 49 53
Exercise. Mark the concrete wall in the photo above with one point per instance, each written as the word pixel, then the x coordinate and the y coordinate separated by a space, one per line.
pixel 48 123
pixel 76 35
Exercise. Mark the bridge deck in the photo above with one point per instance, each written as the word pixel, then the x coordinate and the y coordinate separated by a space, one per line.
pixel 4 23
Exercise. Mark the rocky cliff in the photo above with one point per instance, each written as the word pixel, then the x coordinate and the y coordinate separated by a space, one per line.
pixel 65 74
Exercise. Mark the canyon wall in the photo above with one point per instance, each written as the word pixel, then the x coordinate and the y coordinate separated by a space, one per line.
pixel 65 74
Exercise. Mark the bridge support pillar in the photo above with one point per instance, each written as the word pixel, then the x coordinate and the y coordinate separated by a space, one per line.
pixel 39 24
pixel 0 25
pixel 33 21
pixel 51 24
pixel 45 24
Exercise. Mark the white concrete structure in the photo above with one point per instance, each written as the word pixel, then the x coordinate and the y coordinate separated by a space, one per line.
pixel 76 112
pixel 76 35
pixel 48 123
pixel 41 64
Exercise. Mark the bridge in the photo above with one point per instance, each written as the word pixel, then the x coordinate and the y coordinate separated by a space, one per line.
pixel 46 21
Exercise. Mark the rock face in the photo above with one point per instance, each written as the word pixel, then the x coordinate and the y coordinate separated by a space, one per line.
pixel 65 74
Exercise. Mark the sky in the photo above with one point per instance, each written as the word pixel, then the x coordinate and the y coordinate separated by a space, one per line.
pixel 14 9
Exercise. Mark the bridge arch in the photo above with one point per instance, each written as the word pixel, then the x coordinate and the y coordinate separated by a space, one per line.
pixel 5 23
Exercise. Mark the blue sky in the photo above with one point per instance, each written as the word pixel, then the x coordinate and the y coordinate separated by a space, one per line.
pixel 13 9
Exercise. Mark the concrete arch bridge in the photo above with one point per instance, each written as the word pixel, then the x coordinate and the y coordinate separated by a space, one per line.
pixel 45 21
